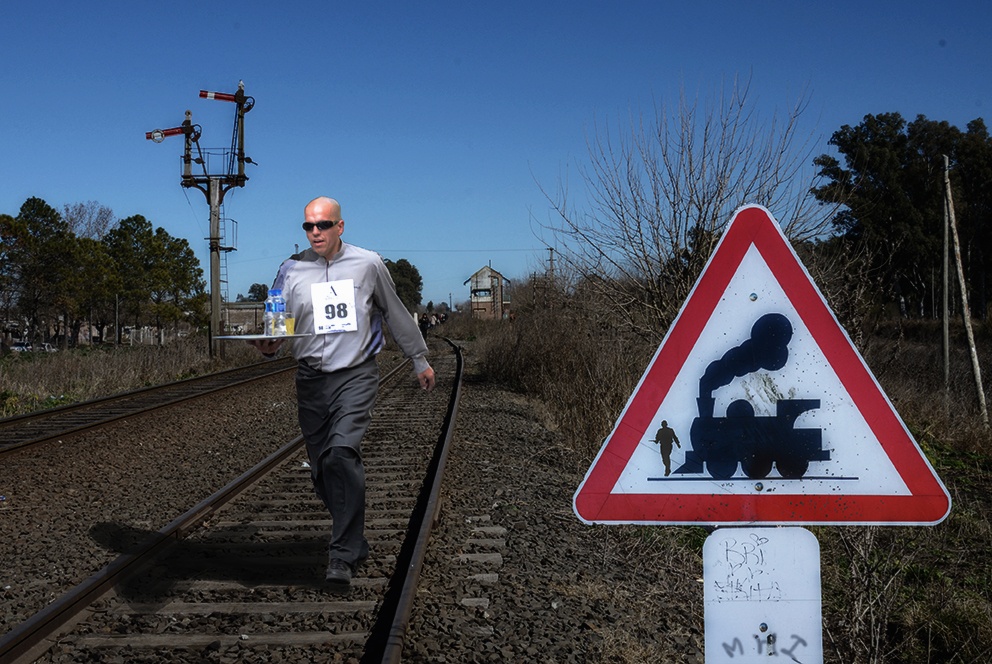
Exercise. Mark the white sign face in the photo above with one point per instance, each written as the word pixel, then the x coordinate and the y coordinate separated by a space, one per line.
pixel 762 595
pixel 852 461
pixel 757 408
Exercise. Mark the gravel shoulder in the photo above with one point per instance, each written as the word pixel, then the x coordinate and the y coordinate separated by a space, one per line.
pixel 513 575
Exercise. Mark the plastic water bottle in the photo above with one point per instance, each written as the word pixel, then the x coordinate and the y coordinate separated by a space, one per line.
pixel 278 313
pixel 269 315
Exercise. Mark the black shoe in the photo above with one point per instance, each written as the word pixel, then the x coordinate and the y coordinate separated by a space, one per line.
pixel 338 575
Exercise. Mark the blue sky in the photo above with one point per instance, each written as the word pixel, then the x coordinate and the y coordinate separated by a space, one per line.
pixel 436 124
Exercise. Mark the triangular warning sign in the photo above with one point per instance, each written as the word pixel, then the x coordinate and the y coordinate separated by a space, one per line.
pixel 757 408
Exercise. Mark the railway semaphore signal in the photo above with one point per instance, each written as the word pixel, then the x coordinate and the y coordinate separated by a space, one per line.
pixel 213 185
pixel 160 135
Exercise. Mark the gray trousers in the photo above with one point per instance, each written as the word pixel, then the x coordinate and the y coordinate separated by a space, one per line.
pixel 335 410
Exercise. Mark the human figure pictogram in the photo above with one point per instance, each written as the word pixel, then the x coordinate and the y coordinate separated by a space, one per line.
pixel 665 437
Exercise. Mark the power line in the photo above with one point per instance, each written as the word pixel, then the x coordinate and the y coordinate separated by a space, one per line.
pixel 456 251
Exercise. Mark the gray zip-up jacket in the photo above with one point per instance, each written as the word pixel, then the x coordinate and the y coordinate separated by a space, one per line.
pixel 375 302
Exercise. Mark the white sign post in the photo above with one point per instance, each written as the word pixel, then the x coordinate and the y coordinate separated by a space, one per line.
pixel 762 595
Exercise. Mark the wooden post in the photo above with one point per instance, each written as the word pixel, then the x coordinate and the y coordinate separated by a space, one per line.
pixel 965 309
pixel 947 300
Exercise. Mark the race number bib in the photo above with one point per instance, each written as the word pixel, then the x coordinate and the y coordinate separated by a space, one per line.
pixel 334 307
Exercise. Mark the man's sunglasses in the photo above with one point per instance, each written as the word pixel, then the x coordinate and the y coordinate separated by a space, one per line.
pixel 320 225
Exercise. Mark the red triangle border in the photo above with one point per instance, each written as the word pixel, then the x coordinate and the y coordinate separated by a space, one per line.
pixel 929 502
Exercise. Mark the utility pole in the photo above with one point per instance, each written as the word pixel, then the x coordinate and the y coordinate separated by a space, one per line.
pixel 213 185
pixel 965 309
pixel 549 280
pixel 947 301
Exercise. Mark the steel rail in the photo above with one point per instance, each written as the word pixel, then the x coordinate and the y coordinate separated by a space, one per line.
pixel 386 639
pixel 94 404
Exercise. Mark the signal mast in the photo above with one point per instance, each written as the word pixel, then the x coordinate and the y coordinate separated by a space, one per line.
pixel 213 185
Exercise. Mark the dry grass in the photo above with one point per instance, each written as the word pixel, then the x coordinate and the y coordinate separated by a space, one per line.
pixel 584 377
pixel 890 594
pixel 34 381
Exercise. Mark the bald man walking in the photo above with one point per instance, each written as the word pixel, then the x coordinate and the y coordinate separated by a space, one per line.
pixel 342 295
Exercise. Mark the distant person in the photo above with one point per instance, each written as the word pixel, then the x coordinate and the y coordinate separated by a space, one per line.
pixel 665 437
pixel 341 295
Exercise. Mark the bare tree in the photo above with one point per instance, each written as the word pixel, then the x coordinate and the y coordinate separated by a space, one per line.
pixel 89 219
pixel 660 192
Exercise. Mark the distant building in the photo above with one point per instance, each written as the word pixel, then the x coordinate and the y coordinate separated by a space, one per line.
pixel 488 294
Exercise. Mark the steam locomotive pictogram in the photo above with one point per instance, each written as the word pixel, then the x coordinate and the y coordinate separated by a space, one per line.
pixel 754 442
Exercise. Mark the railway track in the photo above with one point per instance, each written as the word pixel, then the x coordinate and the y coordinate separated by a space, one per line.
pixel 240 575
pixel 35 428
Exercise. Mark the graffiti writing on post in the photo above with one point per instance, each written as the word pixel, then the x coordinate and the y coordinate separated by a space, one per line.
pixel 748 577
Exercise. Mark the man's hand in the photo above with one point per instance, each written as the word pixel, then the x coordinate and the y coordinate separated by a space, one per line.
pixel 266 346
pixel 426 378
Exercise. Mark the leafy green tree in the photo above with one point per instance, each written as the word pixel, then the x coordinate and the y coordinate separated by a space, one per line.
pixel 8 271
pixel 131 246
pixel 95 282
pixel 258 292
pixel 973 206
pixel 177 279
pixel 39 256
pixel 891 185
pixel 408 282
pixel 93 288
pixel 54 278
pixel 160 278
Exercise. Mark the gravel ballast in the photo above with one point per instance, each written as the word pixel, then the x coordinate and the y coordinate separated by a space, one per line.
pixel 511 576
